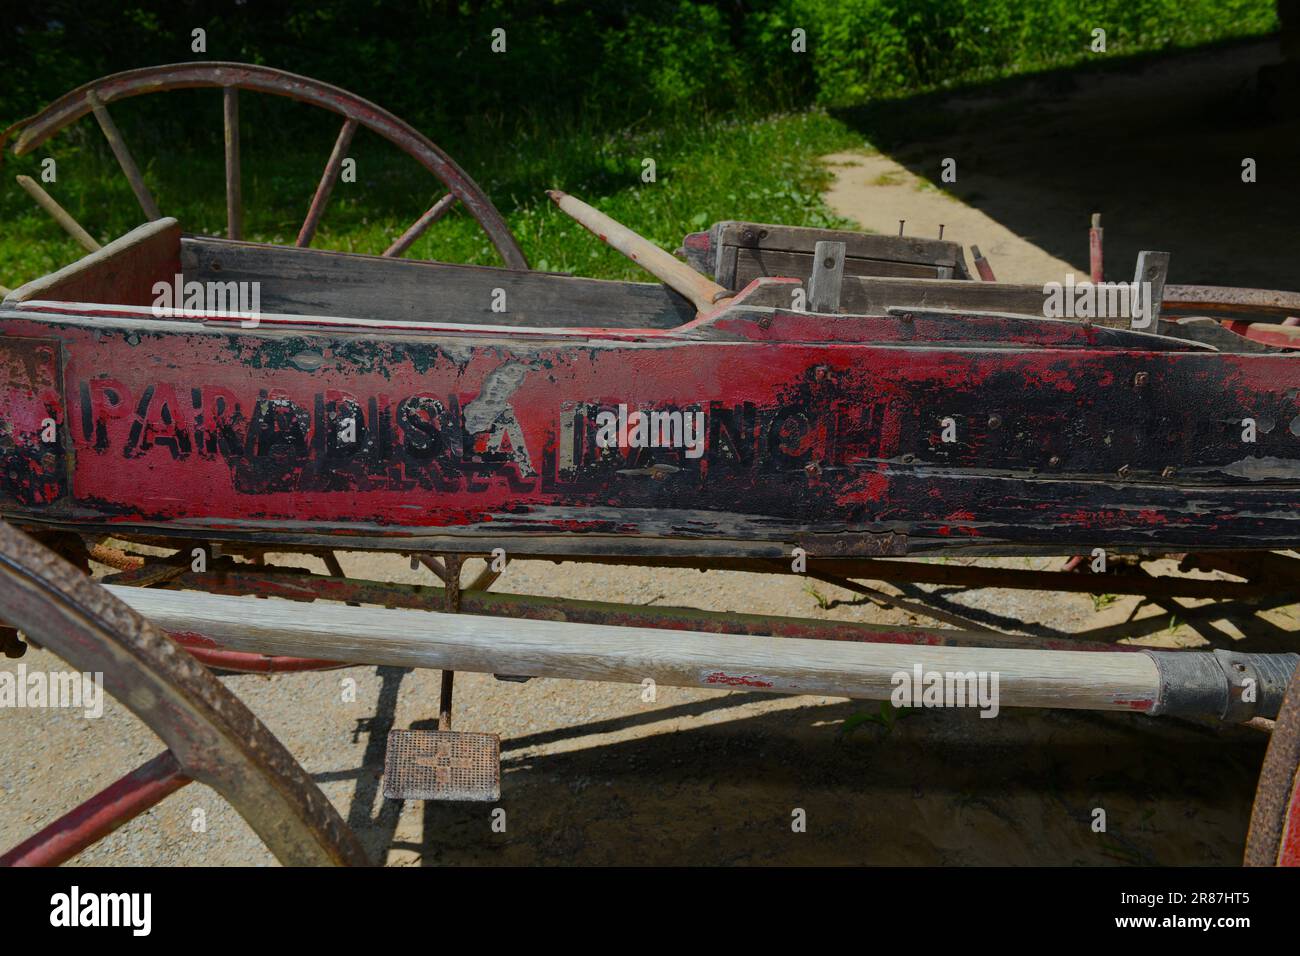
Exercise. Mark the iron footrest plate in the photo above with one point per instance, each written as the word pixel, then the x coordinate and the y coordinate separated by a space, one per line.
pixel 442 765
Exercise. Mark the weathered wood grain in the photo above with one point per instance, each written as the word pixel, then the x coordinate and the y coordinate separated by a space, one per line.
pixel 317 282
pixel 1090 680
pixel 826 278
pixel 122 272
pixel 739 252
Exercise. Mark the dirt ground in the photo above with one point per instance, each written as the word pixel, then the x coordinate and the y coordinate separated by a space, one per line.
pixel 594 775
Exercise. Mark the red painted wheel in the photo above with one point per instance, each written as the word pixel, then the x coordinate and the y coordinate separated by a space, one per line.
pixel 211 737
pixel 230 78
pixel 1274 835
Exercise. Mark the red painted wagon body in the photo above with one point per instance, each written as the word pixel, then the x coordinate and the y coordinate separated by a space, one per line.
pixel 747 431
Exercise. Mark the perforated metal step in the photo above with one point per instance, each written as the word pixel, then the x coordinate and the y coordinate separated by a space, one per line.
pixel 442 765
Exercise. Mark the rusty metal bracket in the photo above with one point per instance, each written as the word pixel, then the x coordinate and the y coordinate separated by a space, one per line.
pixel 1229 685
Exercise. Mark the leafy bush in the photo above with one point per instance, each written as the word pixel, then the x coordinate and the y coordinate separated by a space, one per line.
pixel 614 61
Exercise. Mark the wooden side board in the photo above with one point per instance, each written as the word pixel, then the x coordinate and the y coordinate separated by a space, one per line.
pixel 736 253
pixel 121 273
pixel 318 282
pixel 875 295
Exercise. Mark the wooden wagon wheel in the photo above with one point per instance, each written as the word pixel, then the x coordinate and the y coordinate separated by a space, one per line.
pixel 1274 835
pixel 211 736
pixel 94 98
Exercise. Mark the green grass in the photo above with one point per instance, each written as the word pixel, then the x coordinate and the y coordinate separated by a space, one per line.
pixel 761 169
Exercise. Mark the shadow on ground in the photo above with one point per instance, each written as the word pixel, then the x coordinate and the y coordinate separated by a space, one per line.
pixel 936 787
pixel 1155 144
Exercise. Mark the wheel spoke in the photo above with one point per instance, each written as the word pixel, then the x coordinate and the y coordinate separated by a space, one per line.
pixel 261 79
pixel 58 213
pixel 130 796
pixel 215 739
pixel 129 168
pixel 327 181
pixel 418 228
pixel 234 195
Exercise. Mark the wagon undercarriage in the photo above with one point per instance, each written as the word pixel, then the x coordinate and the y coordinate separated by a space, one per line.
pixel 835 406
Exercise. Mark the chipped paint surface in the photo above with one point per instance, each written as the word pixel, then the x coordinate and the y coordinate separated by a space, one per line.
pixel 723 679
pixel 1066 442
pixel 32 470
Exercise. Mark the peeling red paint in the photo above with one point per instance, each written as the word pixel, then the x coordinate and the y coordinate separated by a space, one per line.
pixel 719 677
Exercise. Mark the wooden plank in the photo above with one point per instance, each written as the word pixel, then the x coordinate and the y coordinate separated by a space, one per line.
pixel 726 271
pixel 827 276
pixel 751 264
pixel 1089 680
pixel 858 245
pixel 122 272
pixel 876 295
pixel 1152 270
pixel 319 282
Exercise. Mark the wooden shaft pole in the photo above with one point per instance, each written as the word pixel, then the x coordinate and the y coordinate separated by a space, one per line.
pixel 58 213
pixel 1089 680
pixel 705 294
pixel 124 158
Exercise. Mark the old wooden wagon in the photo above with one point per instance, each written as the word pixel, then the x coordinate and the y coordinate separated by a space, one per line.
pixel 793 401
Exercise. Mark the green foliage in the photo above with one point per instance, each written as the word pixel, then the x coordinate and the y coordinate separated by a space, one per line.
pixel 707 171
pixel 610 61
pixel 586 89
pixel 864 49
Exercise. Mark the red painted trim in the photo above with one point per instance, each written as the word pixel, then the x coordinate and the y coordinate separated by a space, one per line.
pixel 99 816
pixel 207 652
pixel 1288 853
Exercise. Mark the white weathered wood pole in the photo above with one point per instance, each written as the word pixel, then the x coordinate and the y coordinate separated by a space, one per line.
pixel 1088 680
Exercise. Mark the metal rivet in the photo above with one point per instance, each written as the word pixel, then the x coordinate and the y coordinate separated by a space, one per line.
pixel 995 421
pixel 1123 471
pixel 1169 471
pixel 1054 461
pixel 1140 379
